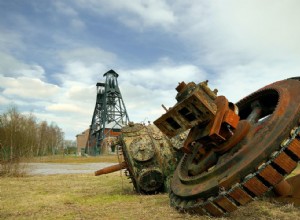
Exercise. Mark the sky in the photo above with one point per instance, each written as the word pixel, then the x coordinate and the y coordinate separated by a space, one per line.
pixel 52 53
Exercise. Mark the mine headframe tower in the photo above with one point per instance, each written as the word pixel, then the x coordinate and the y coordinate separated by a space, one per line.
pixel 109 114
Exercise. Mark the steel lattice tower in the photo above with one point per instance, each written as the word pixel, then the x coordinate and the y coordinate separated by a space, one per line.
pixel 109 113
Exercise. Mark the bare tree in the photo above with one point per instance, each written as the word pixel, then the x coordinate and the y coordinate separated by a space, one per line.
pixel 21 136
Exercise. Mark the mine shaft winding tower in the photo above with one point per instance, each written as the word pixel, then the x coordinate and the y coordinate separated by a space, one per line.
pixel 109 115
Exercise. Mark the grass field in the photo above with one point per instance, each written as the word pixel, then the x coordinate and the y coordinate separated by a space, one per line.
pixel 83 196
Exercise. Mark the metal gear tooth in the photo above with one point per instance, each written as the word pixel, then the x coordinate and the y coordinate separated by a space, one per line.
pixel 249 176
pixel 261 166
pixel 294 132
pixel 274 154
pixel 235 185
pixel 284 142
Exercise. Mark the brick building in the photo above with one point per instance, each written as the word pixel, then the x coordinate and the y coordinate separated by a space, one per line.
pixel 81 140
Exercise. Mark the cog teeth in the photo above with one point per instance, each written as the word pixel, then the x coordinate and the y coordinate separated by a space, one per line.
pixel 293 132
pixel 261 166
pixel 274 154
pixel 249 176
pixel 284 142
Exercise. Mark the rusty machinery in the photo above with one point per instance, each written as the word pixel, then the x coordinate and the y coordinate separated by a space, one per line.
pixel 148 156
pixel 234 153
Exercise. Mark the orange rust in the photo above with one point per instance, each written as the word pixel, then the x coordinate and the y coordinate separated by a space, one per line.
pixel 240 132
pixel 271 175
pixel 111 169
pixel 239 195
pixel 285 162
pixel 255 186
pixel 213 209
pixel 198 210
pixel 226 204
pixel 283 188
pixel 294 147
pixel 181 86
pixel 222 107
pixel 231 118
pixel 289 191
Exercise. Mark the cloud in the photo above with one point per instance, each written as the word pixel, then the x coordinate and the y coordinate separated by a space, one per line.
pixel 10 41
pixel 136 14
pixel 238 46
pixel 144 90
pixel 240 81
pixel 70 13
pixel 4 100
pixel 29 88
pixel 65 108
pixel 221 35
pixel 87 55
pixel 163 76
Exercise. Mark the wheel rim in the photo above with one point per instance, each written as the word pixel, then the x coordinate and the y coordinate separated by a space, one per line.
pixel 281 105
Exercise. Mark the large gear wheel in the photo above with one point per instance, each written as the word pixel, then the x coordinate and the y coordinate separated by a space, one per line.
pixel 268 152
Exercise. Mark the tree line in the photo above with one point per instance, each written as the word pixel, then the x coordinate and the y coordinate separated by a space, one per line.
pixel 24 136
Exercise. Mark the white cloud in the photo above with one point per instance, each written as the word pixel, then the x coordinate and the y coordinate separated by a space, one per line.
pixel 65 108
pixel 69 123
pixel 238 31
pixel 242 80
pixel 87 55
pixel 29 88
pixel 10 66
pixel 144 90
pixel 163 76
pixel 136 13
pixel 4 100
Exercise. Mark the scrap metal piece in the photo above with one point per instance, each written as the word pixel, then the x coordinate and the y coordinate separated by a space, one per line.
pixel 247 157
pixel 149 157
pixel 111 169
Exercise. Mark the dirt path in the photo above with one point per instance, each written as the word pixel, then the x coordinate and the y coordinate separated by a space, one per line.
pixel 62 168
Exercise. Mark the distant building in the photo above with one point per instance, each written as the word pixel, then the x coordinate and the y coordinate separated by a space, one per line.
pixel 81 140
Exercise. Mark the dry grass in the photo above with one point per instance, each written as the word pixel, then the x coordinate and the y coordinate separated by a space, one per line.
pixel 74 159
pixel 12 169
pixel 83 196
pixel 79 197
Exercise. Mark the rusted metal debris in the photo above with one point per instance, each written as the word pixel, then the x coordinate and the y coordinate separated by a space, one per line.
pixel 148 156
pixel 234 152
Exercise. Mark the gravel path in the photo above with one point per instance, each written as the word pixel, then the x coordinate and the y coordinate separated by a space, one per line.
pixel 61 168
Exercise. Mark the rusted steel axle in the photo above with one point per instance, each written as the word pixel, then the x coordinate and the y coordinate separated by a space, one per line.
pixel 111 169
